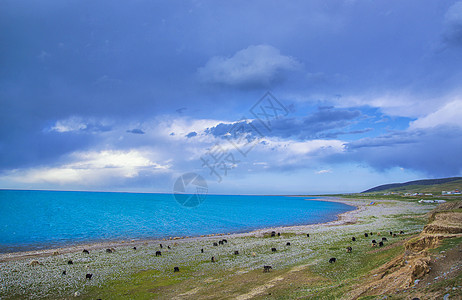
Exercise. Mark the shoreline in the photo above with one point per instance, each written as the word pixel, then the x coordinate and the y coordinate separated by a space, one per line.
pixel 345 218
pixel 232 269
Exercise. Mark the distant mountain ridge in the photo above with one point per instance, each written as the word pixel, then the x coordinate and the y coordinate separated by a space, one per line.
pixel 416 184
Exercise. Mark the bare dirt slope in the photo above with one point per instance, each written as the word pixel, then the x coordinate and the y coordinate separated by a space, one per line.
pixel 419 271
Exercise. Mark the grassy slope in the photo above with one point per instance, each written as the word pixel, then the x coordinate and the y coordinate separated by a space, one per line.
pixel 433 188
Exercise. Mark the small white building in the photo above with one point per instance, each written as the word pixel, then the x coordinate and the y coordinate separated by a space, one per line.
pixel 454 192
pixel 431 201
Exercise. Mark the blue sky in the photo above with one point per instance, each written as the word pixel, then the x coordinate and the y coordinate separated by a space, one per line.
pixel 128 96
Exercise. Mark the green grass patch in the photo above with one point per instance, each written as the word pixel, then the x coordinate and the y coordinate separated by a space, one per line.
pixel 144 284
pixel 350 267
pixel 447 244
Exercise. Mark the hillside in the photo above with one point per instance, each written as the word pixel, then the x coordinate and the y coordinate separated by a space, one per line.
pixel 422 186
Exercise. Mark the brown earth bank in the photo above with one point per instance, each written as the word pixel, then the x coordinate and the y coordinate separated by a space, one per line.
pixel 429 268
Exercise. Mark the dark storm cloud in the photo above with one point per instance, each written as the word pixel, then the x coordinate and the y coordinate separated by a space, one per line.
pixel 191 134
pixel 316 125
pixel 255 66
pixel 40 148
pixel 434 151
pixel 453 23
pixel 136 131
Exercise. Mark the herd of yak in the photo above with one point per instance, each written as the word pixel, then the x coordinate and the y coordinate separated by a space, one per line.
pixel 349 249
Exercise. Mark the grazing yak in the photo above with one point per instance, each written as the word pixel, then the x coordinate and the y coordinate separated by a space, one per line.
pixel 353 239
pixel 213 259
pixel 176 269
pixel 168 247
pixel 288 244
pixel 236 252
pixel 266 269
pixel 391 232
pixel 86 251
pixel 220 242
pixel 108 250
pixel 380 244
pixel 273 233
pixel 401 232
pixel 279 234
pixel 374 242
pixel 158 253
pixel 215 244
pixel 88 276
pixel 225 241
pixel 161 246
pixel 202 250
pixel 384 239
pixel 70 262
pixel 64 272
pixel 394 234
pixel 307 235
pixel 34 263
pixel 134 248
pixel 273 249
pixel 366 235
pixel 332 260
pixel 349 249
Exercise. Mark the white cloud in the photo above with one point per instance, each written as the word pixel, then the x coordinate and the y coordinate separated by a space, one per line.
pixel 70 124
pixel 403 104
pixel 90 168
pixel 310 147
pixel 255 65
pixel 398 103
pixel 449 114
pixel 78 124
pixel 290 153
pixel 324 171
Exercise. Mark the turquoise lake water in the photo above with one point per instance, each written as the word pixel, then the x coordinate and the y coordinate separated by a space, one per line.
pixel 32 220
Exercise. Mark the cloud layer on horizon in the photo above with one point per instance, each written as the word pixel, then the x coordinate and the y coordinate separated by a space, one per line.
pixel 367 86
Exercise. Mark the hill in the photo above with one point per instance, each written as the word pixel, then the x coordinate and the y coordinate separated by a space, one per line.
pixel 421 186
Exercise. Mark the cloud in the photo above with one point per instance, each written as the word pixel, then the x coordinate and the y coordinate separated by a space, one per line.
pixel 449 114
pixel 286 154
pixel 78 124
pixel 433 151
pixel 191 134
pixel 314 126
pixel 254 66
pixel 324 171
pixel 136 131
pixel 453 24
pixel 90 168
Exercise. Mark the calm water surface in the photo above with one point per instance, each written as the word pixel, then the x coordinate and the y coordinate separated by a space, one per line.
pixel 43 219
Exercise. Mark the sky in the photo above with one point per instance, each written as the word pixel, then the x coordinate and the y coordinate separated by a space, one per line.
pixel 257 97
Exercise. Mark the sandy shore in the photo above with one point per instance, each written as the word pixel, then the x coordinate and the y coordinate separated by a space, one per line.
pixel 349 217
